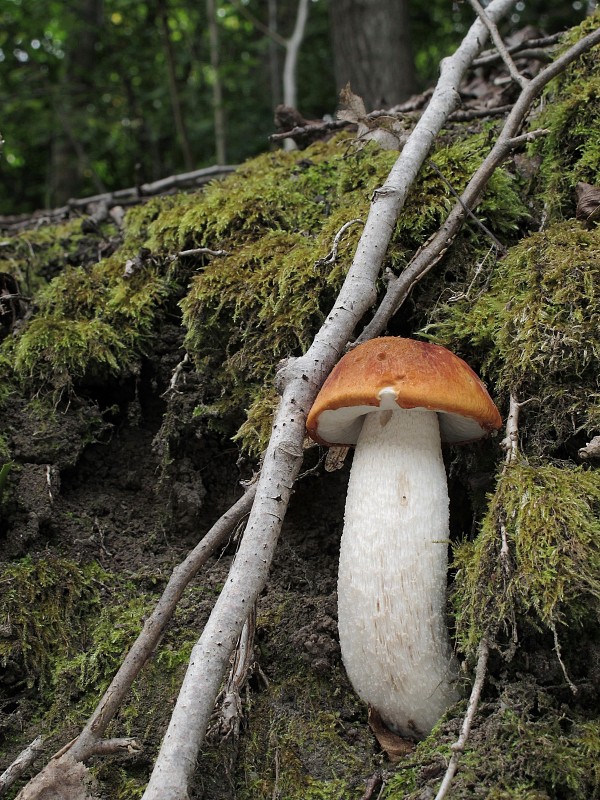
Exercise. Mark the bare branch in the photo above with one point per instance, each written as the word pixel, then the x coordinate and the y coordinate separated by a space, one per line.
pixel 530 48
pixel 110 746
pixel 198 251
pixel 459 746
pixel 20 765
pixel 591 450
pixel 331 257
pixel 499 246
pixel 500 46
pixel 155 625
pixel 510 443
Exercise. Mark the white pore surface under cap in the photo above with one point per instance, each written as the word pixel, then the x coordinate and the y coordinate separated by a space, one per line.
pixel 392 574
pixel 343 425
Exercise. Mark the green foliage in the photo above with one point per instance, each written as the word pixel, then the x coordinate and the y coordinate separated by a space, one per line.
pixel 524 746
pixel 102 79
pixel 43 604
pixel 266 298
pixel 536 329
pixel 549 516
pixel 571 151
pixel 91 323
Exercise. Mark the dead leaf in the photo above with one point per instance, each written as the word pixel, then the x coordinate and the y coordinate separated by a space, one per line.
pixel 384 129
pixel 394 746
pixel 588 203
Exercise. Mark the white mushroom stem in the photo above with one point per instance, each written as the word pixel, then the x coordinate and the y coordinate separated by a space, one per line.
pixel 393 567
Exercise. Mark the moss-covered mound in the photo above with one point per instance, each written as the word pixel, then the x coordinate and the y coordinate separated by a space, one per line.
pixel 136 390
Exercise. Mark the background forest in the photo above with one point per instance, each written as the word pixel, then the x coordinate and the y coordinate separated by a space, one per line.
pixel 98 95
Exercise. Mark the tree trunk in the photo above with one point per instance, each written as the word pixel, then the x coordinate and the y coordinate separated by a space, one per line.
pixel 68 156
pixel 372 50
pixel 217 87
pixel 178 116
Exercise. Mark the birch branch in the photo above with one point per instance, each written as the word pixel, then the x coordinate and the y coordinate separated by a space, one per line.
pixel 301 379
pixel 500 46
pixel 399 289
pixel 21 763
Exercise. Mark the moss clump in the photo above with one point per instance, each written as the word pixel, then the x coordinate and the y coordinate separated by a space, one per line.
pixel 549 517
pixel 267 297
pixel 34 256
pixel 524 746
pixel 571 151
pixel 84 675
pixel 302 754
pixel 91 324
pixel 43 605
pixel 536 329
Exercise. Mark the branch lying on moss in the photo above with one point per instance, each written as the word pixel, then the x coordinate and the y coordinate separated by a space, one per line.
pixel 591 450
pixel 87 742
pixel 399 289
pixel 133 195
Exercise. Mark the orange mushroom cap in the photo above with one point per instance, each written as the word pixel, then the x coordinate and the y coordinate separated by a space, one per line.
pixel 389 371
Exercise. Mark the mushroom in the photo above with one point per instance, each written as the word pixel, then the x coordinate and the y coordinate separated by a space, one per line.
pixel 396 399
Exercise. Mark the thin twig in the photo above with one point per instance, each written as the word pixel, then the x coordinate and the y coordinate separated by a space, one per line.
pixel 498 244
pixel 229 714
pixel 178 371
pixel 510 443
pixel 459 746
pixel 558 651
pixel 521 50
pixel 331 257
pixel 196 251
pixel 500 46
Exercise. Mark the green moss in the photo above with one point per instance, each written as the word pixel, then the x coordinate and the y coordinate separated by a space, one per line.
pixel 571 151
pixel 118 782
pixel 91 323
pixel 84 675
pixel 524 746
pixel 549 516
pixel 34 255
pixel 43 605
pixel 302 753
pixel 268 296
pixel 535 330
